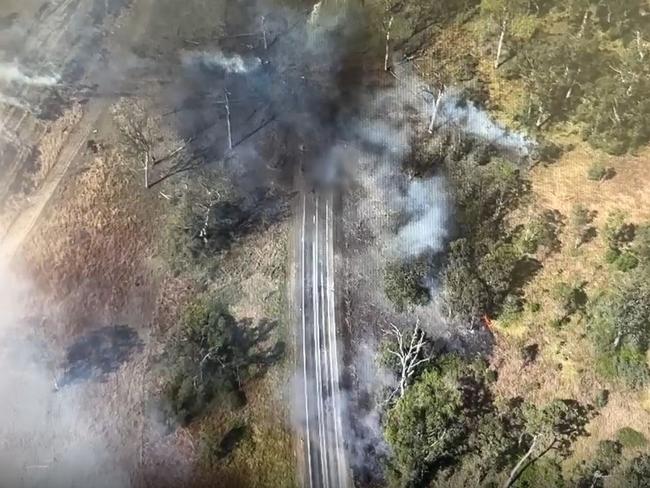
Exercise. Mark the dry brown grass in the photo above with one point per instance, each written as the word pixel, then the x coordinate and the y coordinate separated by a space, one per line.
pixel 53 141
pixel 92 244
pixel 565 183
pixel 565 367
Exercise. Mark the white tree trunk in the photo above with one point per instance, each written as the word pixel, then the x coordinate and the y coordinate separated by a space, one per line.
pixel 146 171
pixel 228 127
pixel 585 17
pixel 387 55
pixel 263 25
pixel 497 60
pixel 434 112
pixel 408 355
pixel 515 471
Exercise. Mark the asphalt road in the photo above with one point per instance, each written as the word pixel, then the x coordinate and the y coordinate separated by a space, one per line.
pixel 323 445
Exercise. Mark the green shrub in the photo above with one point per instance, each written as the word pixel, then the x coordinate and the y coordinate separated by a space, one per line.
pixel 602 398
pixel 641 244
pixel 626 365
pixel 581 228
pixel 619 326
pixel 626 261
pixel 403 284
pixel 618 233
pixel 598 172
pixel 611 255
pixel 542 473
pixel 606 459
pixel 541 231
pixel 570 298
pixel 630 438
pixel 510 310
pixel 636 474
pixel 215 446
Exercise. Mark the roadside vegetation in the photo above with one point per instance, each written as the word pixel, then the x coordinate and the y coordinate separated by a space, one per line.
pixel 225 362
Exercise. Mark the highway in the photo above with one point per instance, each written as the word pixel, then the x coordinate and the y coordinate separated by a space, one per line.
pixel 318 356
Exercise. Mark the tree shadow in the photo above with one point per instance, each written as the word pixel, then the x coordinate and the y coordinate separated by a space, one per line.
pixel 524 271
pixel 218 228
pixel 231 440
pixel 97 354
pixel 256 346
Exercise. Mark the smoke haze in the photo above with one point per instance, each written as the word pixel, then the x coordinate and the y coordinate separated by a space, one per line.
pixel 14 73
pixel 48 439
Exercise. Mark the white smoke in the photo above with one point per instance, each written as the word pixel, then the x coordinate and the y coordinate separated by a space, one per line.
pixel 418 206
pixel 13 73
pixel 217 60
pixel 426 230
pixel 474 121
pixel 48 438
pixel 14 102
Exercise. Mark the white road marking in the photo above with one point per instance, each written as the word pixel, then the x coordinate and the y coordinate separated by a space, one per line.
pixel 330 468
pixel 304 335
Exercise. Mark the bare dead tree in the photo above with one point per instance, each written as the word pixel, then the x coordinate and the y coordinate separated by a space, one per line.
pixel 408 354
pixel 639 45
pixel 583 25
pixel 386 56
pixel 227 105
pixel 135 125
pixel 504 24
pixel 434 112
pixel 263 26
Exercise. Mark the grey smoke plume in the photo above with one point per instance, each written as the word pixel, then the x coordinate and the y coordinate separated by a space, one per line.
pixel 14 73
pixel 217 60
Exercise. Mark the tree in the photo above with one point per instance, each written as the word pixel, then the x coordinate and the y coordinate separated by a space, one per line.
pixel 464 295
pixel 557 73
pixel 213 354
pixel 409 354
pixel 617 232
pixel 635 474
pixel 619 326
pixel 496 269
pixel 641 245
pixel 592 473
pixel 508 16
pixel 424 427
pixel 569 298
pixel 613 110
pixel 494 441
pixel 403 284
pixel 580 220
pixel 553 427
pixel 138 129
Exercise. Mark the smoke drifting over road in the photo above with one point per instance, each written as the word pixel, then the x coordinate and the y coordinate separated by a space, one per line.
pixel 312 106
